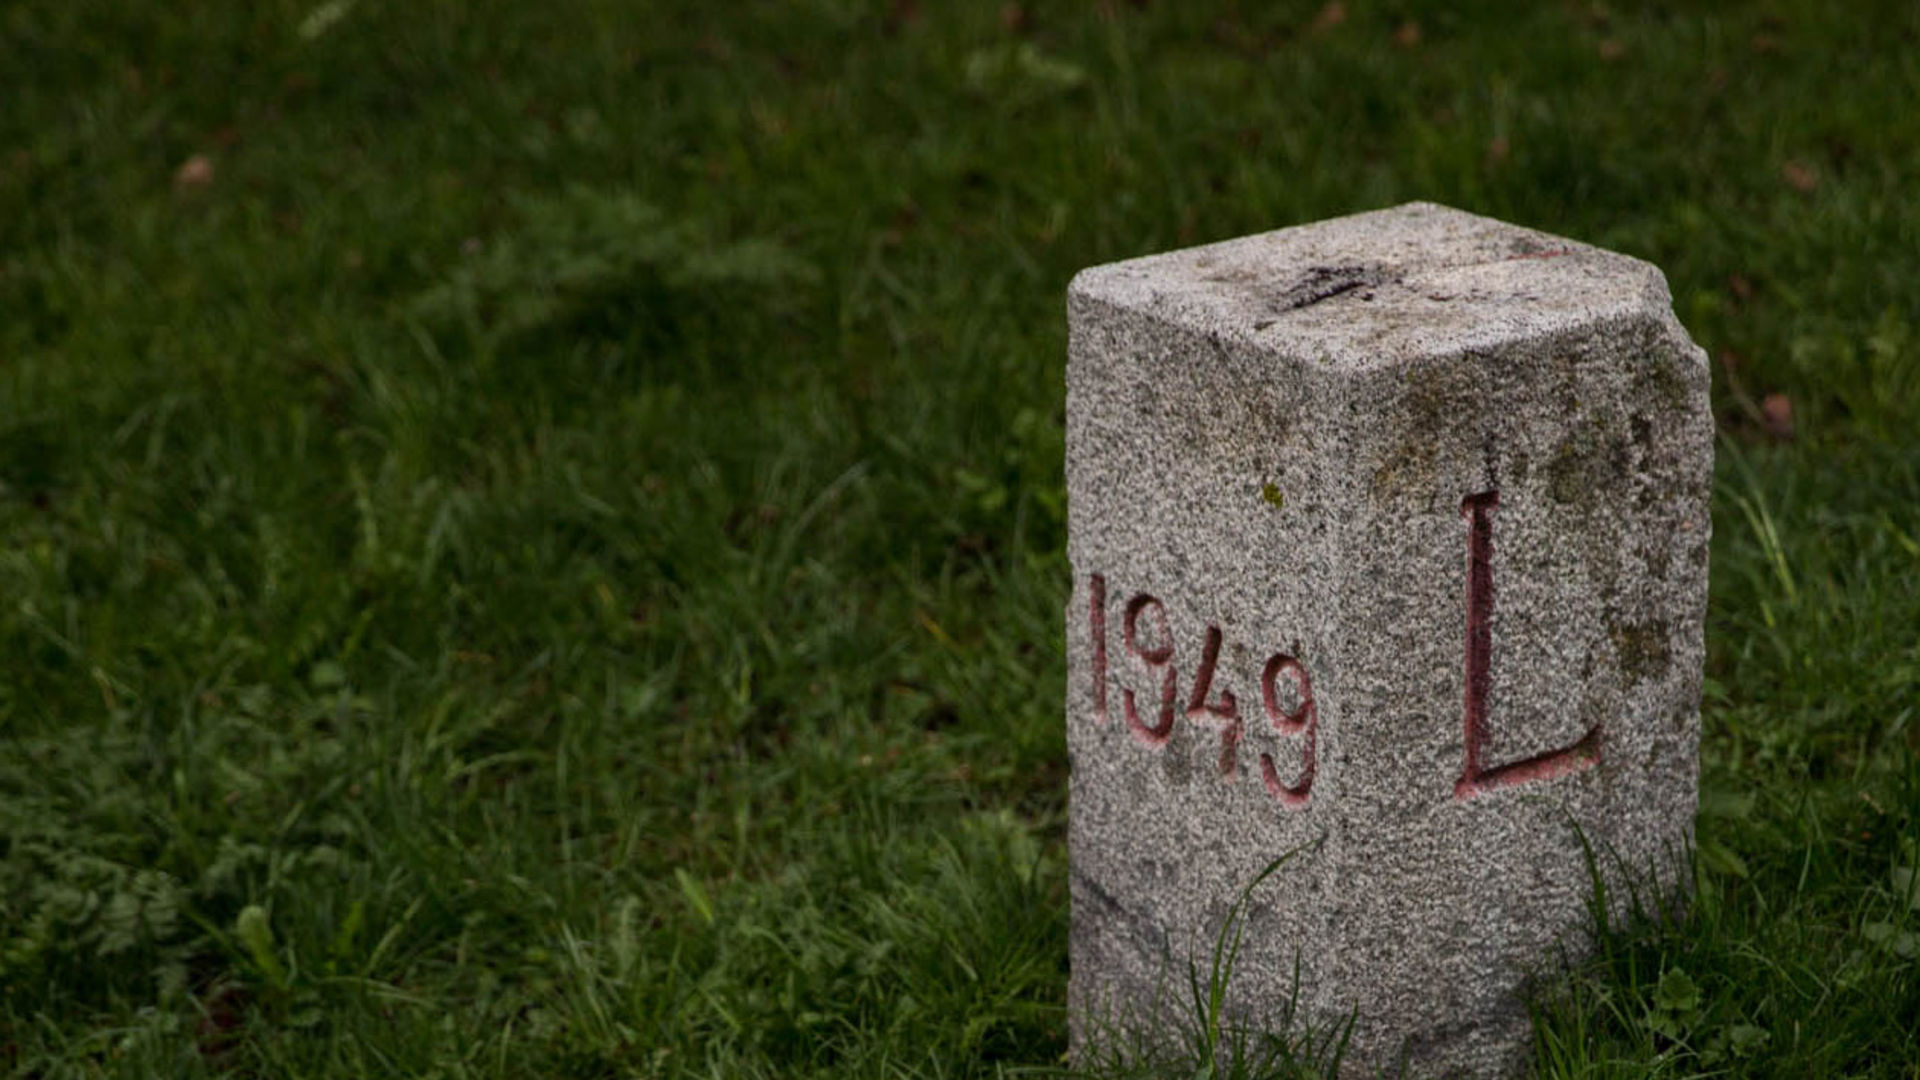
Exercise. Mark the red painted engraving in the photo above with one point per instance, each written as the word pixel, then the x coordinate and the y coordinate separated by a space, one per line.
pixel 1304 720
pixel 1476 778
pixel 1097 624
pixel 1159 658
pixel 1227 712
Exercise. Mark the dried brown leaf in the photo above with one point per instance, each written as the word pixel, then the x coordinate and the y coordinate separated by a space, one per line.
pixel 1330 16
pixel 194 173
pixel 1800 176
pixel 1776 415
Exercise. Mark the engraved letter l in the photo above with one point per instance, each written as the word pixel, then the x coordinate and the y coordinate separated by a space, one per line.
pixel 1476 778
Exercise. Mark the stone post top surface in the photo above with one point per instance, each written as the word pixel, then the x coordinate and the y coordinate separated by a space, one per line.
pixel 1390 285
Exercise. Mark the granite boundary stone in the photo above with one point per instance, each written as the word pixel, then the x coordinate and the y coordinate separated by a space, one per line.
pixel 1389 542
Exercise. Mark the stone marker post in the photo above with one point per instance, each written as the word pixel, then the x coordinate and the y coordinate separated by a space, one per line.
pixel 1389 543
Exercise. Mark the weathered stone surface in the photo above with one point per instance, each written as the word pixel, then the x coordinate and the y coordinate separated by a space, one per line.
pixel 1447 476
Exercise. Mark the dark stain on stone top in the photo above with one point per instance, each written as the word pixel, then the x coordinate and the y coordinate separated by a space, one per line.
pixel 1326 282
pixel 1529 246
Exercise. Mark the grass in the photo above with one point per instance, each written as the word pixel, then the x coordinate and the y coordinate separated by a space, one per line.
pixel 533 533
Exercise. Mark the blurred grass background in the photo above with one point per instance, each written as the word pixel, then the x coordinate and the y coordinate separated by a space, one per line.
pixel 532 533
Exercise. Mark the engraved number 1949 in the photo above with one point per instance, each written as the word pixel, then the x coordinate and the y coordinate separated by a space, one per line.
pixel 1155 652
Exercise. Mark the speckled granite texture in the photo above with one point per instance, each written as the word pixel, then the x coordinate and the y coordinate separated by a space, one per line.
pixel 1389 541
